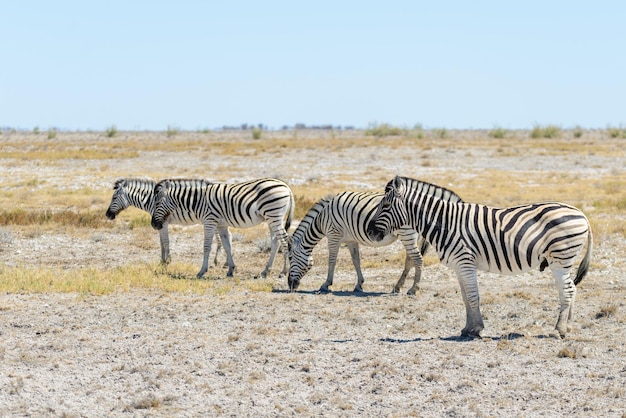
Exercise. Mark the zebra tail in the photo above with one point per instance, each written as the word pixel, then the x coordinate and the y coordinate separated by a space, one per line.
pixel 292 209
pixel 583 268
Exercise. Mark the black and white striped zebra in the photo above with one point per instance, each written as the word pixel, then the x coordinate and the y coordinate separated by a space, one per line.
pixel 343 218
pixel 219 205
pixel 139 192
pixel 470 237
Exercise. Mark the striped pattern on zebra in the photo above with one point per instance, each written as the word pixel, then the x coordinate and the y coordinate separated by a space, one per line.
pixel 470 237
pixel 219 205
pixel 139 192
pixel 343 218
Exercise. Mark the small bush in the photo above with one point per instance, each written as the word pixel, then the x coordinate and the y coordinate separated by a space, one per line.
pixel 578 132
pixel 111 131
pixel 383 130
pixel 441 133
pixel 549 131
pixel 616 132
pixel 497 133
pixel 607 311
pixel 52 134
pixel 171 131
pixel 256 133
pixel 566 352
pixel 36 130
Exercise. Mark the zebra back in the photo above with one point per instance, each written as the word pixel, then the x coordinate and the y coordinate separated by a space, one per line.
pixel 239 205
pixel 414 186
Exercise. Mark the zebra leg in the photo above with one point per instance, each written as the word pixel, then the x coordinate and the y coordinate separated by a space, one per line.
pixel 165 245
pixel 567 295
pixel 225 239
pixel 407 267
pixel 356 260
pixel 209 231
pixel 333 250
pixel 285 270
pixel 408 237
pixel 279 239
pixel 469 290
pixel 217 251
pixel 273 251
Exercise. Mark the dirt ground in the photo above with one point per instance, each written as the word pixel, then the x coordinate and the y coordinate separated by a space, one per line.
pixel 259 353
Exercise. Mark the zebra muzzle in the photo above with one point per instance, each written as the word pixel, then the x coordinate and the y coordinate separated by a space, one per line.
pixel 156 224
pixel 374 233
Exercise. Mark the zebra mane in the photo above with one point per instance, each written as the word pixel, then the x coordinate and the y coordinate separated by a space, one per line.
pixel 186 182
pixel 424 187
pixel 133 181
pixel 310 216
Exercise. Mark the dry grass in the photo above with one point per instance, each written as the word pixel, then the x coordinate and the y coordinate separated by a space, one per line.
pixel 177 277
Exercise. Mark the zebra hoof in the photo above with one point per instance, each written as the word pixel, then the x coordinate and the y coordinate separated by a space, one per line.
pixel 471 333
pixel 323 290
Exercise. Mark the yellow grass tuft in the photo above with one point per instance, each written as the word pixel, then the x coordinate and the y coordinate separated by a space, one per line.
pixel 91 281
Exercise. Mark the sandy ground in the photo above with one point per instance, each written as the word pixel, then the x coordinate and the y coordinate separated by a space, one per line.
pixel 247 353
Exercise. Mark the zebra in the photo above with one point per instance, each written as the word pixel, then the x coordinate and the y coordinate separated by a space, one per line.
pixel 219 205
pixel 139 192
pixel 344 218
pixel 470 237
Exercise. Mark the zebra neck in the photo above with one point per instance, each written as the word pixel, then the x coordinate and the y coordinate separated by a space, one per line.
pixel 308 235
pixel 430 219
pixel 142 198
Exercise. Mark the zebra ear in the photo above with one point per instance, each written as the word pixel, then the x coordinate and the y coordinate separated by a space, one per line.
pixel 119 183
pixel 399 185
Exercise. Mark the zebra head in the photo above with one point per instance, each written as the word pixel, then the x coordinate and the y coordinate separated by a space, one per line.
pixel 163 204
pixel 120 199
pixel 300 261
pixel 391 213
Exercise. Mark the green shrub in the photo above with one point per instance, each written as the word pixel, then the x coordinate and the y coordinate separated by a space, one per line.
pixel 171 131
pixel 615 132
pixel 578 132
pixel 256 133
pixel 52 134
pixel 441 133
pixel 549 131
pixel 111 131
pixel 383 130
pixel 497 133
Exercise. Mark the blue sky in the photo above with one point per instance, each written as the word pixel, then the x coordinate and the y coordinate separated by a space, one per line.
pixel 204 64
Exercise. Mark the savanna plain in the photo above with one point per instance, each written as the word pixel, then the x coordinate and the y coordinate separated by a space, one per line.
pixel 91 324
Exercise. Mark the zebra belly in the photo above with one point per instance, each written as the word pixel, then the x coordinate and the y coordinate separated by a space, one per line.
pixel 243 223
pixel 506 265
pixel 189 219
pixel 388 239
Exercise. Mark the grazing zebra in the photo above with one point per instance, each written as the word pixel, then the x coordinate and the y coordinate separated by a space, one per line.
pixel 218 206
pixel 470 237
pixel 344 218
pixel 139 193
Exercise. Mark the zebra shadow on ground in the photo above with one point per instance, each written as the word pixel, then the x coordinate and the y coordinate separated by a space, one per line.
pixel 341 293
pixel 176 275
pixel 456 338
pixel 506 337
